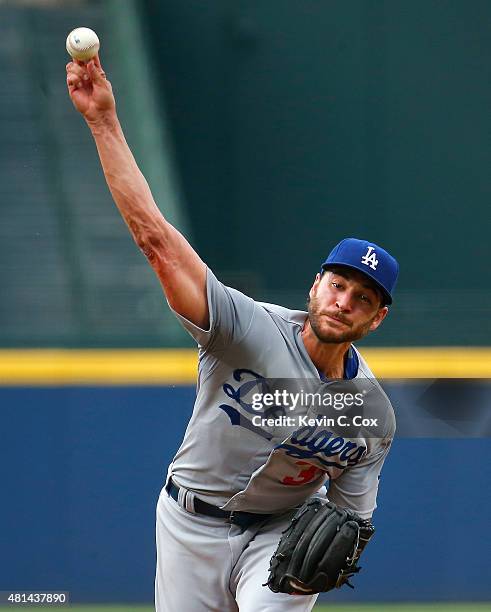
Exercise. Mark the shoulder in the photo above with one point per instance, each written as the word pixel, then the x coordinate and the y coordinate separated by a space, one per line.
pixel 277 313
pixel 282 314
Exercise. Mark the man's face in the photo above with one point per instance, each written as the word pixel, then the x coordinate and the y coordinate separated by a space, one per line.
pixel 344 306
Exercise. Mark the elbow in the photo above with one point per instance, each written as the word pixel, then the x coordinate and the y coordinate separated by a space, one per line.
pixel 152 248
pixel 147 246
pixel 147 251
pixel 151 240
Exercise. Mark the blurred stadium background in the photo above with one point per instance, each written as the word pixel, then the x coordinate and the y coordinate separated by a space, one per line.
pixel 268 131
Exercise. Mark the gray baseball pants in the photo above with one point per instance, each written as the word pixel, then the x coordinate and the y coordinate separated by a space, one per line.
pixel 205 564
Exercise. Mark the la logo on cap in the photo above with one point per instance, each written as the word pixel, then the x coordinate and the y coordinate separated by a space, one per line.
pixel 370 258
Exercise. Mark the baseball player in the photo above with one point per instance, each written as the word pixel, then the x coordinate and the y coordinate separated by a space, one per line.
pixel 241 472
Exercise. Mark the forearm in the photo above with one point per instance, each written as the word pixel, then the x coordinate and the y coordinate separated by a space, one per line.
pixel 178 267
pixel 128 186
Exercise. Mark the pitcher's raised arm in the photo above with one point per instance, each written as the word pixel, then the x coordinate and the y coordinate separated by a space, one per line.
pixel 179 268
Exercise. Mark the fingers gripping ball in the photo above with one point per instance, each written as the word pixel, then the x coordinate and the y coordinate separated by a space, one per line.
pixel 82 44
pixel 318 551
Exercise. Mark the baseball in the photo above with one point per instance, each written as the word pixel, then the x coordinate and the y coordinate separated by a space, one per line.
pixel 82 44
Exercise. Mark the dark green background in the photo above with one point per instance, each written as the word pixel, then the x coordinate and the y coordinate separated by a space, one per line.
pixel 294 124
pixel 299 123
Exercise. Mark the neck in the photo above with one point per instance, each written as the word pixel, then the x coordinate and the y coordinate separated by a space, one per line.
pixel 328 358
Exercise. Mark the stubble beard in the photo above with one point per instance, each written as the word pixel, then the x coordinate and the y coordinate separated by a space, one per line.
pixel 330 336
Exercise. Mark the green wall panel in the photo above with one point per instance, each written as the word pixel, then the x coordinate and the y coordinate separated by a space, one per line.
pixel 297 124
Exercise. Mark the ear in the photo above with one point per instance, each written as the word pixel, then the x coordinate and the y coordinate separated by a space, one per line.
pixel 379 317
pixel 313 289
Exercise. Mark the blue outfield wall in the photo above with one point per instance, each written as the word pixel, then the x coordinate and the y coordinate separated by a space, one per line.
pixel 81 470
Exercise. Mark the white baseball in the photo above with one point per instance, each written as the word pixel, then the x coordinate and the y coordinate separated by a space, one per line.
pixel 82 44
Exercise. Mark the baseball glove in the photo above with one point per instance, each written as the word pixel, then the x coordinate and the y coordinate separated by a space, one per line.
pixel 319 550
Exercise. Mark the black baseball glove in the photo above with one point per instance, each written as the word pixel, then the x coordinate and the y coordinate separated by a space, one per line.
pixel 319 550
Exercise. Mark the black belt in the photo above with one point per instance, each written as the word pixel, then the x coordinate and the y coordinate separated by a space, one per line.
pixel 242 519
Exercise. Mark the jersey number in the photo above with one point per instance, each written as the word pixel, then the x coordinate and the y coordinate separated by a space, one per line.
pixel 304 476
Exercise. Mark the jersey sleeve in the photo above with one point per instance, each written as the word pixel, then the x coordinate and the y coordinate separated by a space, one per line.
pixel 357 487
pixel 230 312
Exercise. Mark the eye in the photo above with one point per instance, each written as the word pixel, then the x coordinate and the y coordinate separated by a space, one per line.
pixel 365 298
pixel 335 284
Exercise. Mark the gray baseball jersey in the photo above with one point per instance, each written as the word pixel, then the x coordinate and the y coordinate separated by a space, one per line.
pixel 239 457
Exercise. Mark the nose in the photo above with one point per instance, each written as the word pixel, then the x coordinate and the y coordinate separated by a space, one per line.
pixel 343 301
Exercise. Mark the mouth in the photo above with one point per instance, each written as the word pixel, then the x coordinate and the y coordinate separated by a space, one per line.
pixel 338 321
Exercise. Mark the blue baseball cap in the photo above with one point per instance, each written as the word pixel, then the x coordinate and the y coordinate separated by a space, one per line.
pixel 369 258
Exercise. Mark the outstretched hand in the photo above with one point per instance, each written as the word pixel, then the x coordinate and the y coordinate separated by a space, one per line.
pixel 89 90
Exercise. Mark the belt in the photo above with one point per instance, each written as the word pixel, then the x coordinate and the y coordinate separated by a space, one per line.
pixel 242 519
